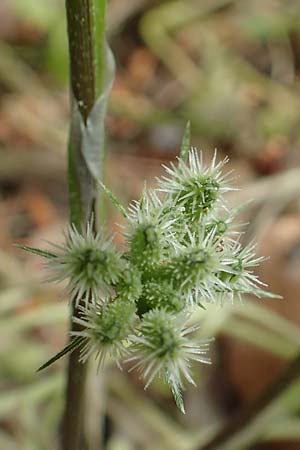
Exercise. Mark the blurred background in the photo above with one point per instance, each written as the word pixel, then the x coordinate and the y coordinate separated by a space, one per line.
pixel 232 67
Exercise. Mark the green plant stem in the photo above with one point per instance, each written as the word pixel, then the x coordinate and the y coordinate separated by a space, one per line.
pixel 86 35
pixel 82 60
pixel 224 439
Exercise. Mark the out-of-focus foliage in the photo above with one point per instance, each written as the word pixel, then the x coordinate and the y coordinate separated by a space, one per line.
pixel 49 19
pixel 235 62
pixel 226 66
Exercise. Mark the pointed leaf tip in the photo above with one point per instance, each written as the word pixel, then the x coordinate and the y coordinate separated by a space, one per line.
pixel 114 199
pixel 177 394
pixel 68 348
pixel 36 251
pixel 186 141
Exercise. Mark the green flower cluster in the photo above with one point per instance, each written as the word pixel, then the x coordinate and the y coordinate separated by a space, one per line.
pixel 182 251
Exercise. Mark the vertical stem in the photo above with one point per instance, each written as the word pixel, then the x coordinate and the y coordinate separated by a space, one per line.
pixel 80 19
pixel 86 34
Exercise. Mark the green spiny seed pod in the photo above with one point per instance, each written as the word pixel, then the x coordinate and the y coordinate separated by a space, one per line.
pixel 162 348
pixel 197 196
pixel 130 285
pixel 148 231
pixel 145 245
pixel 195 188
pixel 105 328
pixel 239 278
pixel 192 273
pixel 194 268
pixel 89 262
pixel 160 295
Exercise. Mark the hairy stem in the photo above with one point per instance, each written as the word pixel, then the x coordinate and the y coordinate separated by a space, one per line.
pixel 224 439
pixel 86 34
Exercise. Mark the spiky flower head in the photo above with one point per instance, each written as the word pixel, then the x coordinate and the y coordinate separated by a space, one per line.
pixel 241 278
pixel 162 348
pixel 195 188
pixel 182 250
pixel 160 294
pixel 195 267
pixel 105 329
pixel 147 230
pixel 90 263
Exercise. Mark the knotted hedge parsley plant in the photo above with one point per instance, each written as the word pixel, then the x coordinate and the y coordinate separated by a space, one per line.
pixel 182 251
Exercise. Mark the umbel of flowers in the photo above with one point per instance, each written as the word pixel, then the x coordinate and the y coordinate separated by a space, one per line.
pixel 182 251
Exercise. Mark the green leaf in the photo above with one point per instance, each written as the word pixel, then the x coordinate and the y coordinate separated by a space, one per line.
pixel 37 251
pixel 69 348
pixel 186 141
pixel 114 199
pixel 92 132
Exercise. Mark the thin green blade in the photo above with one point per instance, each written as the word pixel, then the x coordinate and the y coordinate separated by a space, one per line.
pixel 36 251
pixel 70 347
pixel 114 199
pixel 186 141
